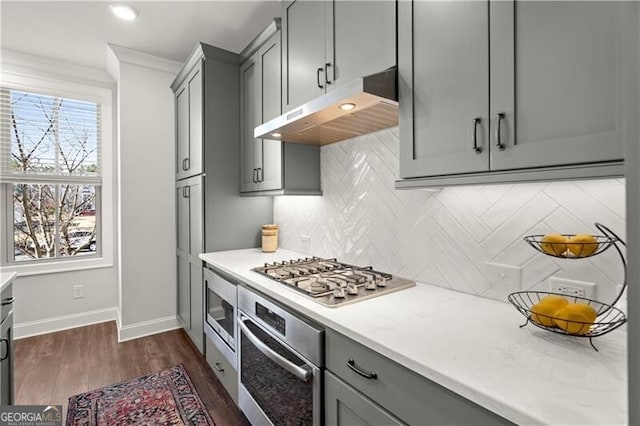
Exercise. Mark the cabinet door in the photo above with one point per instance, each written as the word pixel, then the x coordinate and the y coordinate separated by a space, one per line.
pixel 182 218
pixel 184 291
pixel 197 305
pixel 196 213
pixel 361 39
pixel 195 124
pixel 346 406
pixel 564 75
pixel 251 149
pixel 6 361
pixel 182 131
pixel 271 104
pixel 304 46
pixel 443 83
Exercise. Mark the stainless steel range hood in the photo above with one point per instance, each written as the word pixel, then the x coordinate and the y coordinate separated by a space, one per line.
pixel 323 120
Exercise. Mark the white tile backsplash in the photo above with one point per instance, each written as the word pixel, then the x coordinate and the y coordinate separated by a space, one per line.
pixel 444 238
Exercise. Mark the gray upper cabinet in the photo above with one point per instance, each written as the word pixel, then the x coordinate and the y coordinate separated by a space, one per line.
pixel 189 125
pixel 328 43
pixel 515 90
pixel 270 167
pixel 260 82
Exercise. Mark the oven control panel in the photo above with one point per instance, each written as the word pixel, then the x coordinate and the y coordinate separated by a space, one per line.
pixel 271 318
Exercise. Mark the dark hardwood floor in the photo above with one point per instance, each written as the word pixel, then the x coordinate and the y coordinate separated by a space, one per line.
pixel 52 367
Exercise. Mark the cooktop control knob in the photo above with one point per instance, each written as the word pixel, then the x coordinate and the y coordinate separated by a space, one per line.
pixel 382 282
pixel 370 285
pixel 352 289
pixel 339 293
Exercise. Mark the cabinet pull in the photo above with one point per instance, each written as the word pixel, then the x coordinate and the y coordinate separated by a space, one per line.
pixel 218 367
pixel 187 161
pixel 326 73
pixel 187 191
pixel 499 118
pixel 253 177
pixel 367 375
pixel 260 175
pixel 6 348
pixel 318 71
pixel 476 148
pixel 8 301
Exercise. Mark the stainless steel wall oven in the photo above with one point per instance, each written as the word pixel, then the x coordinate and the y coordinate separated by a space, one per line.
pixel 220 315
pixel 281 358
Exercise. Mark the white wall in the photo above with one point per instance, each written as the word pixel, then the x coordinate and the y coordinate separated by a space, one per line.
pixel 146 184
pixel 44 301
pixel 445 238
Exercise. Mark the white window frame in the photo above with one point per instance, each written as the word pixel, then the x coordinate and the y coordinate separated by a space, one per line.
pixel 101 93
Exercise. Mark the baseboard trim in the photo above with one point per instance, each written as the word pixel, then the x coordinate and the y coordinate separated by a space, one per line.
pixel 50 325
pixel 147 328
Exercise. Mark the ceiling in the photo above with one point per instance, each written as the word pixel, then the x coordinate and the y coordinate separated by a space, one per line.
pixel 77 31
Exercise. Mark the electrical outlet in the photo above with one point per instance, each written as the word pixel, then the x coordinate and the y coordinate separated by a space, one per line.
pixel 504 275
pixel 78 291
pixel 582 289
pixel 305 241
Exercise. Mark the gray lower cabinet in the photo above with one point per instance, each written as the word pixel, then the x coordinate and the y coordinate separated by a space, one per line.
pixel 329 43
pixel 391 390
pixel 223 370
pixel 500 90
pixel 189 214
pixel 6 347
pixel 346 406
pixel 269 166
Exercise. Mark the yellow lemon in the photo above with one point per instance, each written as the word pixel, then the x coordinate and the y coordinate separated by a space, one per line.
pixel 543 313
pixel 555 300
pixel 586 310
pixel 554 244
pixel 582 245
pixel 572 321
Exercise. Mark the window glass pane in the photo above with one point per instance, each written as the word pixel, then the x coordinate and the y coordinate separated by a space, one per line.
pixel 52 135
pixel 34 221
pixel 77 220
pixel 41 223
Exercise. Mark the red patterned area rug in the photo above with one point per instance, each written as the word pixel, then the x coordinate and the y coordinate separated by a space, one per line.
pixel 163 398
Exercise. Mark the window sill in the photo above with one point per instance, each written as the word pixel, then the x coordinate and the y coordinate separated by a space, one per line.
pixel 58 267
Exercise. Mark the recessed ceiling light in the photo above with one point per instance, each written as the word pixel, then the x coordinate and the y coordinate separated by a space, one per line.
pixel 347 106
pixel 125 12
pixel 276 134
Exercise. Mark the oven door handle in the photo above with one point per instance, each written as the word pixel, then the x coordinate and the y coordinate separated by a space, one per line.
pixel 300 372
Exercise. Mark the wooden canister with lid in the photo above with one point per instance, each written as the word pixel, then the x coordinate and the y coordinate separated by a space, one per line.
pixel 269 238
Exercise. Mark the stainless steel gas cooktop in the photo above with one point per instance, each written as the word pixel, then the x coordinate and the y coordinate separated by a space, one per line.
pixel 333 283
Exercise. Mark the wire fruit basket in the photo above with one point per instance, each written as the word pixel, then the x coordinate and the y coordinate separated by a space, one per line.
pixel 607 316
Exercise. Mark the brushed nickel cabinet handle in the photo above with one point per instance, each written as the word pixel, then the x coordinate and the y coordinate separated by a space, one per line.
pixel 254 176
pixel 187 161
pixel 218 367
pixel 318 71
pixel 367 375
pixel 499 117
pixel 187 191
pixel 476 148
pixel 260 175
pixel 6 348
pixel 326 72
pixel 8 301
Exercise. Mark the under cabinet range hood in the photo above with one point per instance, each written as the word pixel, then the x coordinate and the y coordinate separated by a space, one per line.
pixel 362 106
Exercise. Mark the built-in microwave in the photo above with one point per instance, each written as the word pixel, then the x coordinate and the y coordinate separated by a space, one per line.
pixel 220 314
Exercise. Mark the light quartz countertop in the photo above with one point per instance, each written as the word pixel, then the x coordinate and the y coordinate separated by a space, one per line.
pixel 470 345
pixel 6 278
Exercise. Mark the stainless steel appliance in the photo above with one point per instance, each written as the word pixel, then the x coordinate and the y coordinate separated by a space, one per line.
pixel 333 283
pixel 220 317
pixel 281 357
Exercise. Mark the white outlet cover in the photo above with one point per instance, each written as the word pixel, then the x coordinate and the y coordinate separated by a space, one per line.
pixel 506 276
pixel 589 288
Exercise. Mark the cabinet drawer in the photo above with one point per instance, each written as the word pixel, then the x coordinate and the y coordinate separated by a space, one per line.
pixel 7 301
pixel 405 394
pixel 223 370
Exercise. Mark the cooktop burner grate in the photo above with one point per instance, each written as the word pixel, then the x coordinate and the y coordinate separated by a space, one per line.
pixel 330 282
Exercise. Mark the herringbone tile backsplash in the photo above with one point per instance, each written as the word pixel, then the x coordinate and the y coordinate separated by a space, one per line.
pixel 444 238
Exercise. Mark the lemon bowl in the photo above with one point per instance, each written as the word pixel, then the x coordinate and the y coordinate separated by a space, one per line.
pixel 573 246
pixel 607 319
